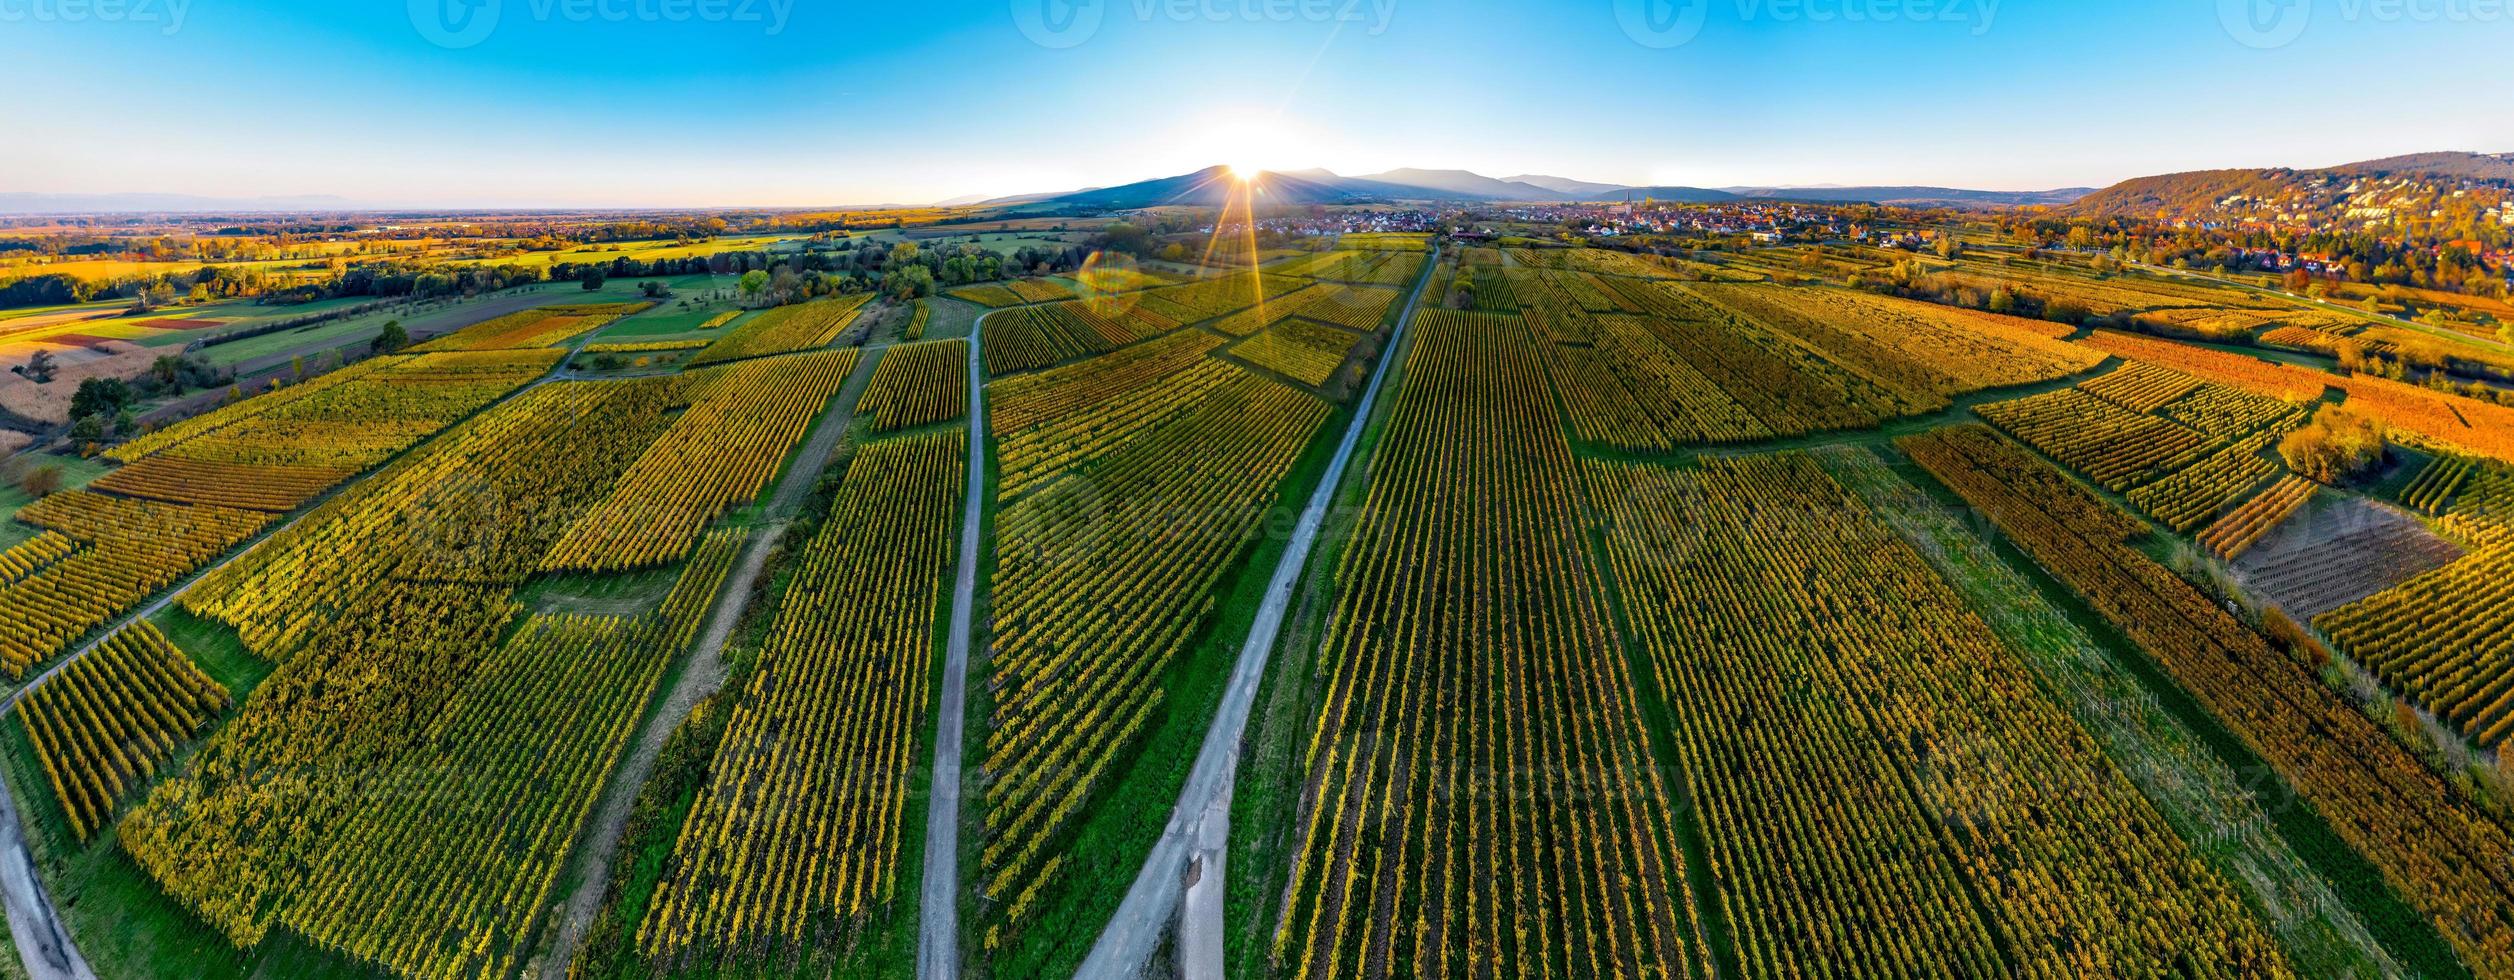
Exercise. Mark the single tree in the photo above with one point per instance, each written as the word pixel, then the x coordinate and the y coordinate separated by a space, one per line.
pixel 41 481
pixel 99 396
pixel 391 338
pixel 2337 447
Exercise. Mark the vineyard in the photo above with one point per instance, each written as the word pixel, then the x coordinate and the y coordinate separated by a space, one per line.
pixel 1303 350
pixel 1471 643
pixel 919 384
pixel 402 656
pixel 1131 485
pixel 1818 668
pixel 2161 299
pixel 1386 241
pixel 796 834
pixel 2451 863
pixel 494 505
pixel 1034 455
pixel 1099 278
pixel 278 451
pixel 1646 635
pixel 2279 381
pixel 1040 336
pixel 1362 309
pixel 1597 261
pixel 736 426
pixel 2327 340
pixel 919 315
pixel 2432 418
pixel 1377 268
pixel 1041 290
pixel 2141 387
pixel 2239 530
pixel 2446 638
pixel 1029 401
pixel 1201 301
pixel 2443 638
pixel 2221 323
pixel 2183 451
pixel 1919 348
pixel 646 346
pixel 801 327
pixel 534 328
pixel 1712 364
pixel 991 295
pixel 103 725
pixel 2433 489
pixel 101 556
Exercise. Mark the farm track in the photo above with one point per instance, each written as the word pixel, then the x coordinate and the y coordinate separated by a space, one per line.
pixel 701 677
pixel 1199 829
pixel 43 945
pixel 938 918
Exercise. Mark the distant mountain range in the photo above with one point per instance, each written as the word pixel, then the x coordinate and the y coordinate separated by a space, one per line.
pixel 1564 185
pixel 2366 189
pixel 1212 186
pixel 2418 182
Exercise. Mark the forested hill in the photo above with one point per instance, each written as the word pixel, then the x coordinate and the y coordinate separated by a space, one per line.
pixel 2417 183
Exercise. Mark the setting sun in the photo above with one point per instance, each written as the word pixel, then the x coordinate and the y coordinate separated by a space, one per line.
pixel 1249 142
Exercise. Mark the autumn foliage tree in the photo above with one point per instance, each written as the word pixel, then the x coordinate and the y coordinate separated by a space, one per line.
pixel 2337 447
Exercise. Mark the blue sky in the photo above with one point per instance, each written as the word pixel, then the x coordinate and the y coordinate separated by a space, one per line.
pixel 778 102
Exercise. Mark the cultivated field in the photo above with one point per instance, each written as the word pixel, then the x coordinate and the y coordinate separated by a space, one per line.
pixel 1711 613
